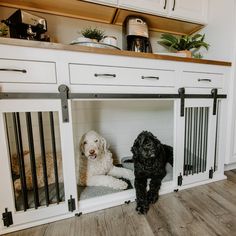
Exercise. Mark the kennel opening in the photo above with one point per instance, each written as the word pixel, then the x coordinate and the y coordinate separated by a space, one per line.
pixel 120 122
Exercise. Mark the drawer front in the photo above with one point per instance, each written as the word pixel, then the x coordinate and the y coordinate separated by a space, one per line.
pixel 20 71
pixel 202 80
pixel 105 75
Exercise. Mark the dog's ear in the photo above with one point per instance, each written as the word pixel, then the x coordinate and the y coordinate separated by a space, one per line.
pixel 134 148
pixel 81 145
pixel 104 144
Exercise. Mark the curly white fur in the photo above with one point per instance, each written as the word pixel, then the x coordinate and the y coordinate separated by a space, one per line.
pixel 96 164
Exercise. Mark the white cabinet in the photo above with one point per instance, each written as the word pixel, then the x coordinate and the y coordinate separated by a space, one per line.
pixel 157 7
pixel 189 10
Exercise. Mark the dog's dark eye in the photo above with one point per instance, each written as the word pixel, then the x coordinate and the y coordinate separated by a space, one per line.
pixel 96 141
pixel 85 142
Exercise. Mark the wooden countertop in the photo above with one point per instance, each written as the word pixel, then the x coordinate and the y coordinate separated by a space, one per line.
pixel 77 48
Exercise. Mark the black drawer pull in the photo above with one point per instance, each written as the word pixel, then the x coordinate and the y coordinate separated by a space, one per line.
pixel 14 70
pixel 105 75
pixel 150 77
pixel 204 80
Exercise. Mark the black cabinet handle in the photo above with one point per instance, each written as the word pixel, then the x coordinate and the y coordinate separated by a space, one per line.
pixel 105 75
pixel 14 70
pixel 204 80
pixel 165 4
pixel 150 77
pixel 173 8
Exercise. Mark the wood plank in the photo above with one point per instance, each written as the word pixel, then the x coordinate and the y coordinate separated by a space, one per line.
pixel 105 51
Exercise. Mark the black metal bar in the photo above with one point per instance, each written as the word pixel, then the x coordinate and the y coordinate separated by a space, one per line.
pixel 32 158
pixel 201 139
pixel 216 139
pixel 207 131
pixel 103 96
pixel 198 135
pixel 214 94
pixel 195 141
pixel 182 97
pixel 29 96
pixel 52 127
pixel 205 138
pixel 173 8
pixel 185 142
pixel 165 4
pixel 20 155
pixel 191 140
pixel 43 156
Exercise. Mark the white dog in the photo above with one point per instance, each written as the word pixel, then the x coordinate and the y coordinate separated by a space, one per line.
pixel 96 164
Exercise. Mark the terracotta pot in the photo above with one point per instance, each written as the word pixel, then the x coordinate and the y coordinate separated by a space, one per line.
pixel 186 52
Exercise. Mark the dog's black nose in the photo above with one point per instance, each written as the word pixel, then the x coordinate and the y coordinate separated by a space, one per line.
pixel 91 151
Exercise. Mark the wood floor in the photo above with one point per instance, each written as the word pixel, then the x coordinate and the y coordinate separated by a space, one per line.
pixel 202 211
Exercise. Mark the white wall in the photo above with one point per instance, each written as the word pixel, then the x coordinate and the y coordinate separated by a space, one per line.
pixel 120 122
pixel 218 31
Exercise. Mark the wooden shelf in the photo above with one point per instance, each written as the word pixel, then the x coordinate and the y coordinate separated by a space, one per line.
pixel 101 13
pixel 160 24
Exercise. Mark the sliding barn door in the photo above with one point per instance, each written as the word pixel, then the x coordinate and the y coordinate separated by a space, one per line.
pixel 37 169
pixel 196 142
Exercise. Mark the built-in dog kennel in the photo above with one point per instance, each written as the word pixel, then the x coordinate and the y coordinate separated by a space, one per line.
pixel 42 141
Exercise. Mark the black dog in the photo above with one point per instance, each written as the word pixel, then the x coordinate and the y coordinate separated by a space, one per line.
pixel 150 158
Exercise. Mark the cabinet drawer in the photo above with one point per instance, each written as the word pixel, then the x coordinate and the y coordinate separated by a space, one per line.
pixel 20 71
pixel 106 75
pixel 202 79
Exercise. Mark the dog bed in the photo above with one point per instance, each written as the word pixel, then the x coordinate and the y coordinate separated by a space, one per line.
pixel 127 163
pixel 83 193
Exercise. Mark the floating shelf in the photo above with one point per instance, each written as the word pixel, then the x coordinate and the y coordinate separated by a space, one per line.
pixel 101 13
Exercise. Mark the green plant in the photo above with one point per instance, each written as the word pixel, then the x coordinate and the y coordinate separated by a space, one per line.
pixel 3 30
pixel 184 42
pixel 92 33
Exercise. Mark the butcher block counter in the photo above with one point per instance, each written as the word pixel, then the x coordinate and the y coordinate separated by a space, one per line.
pixel 58 46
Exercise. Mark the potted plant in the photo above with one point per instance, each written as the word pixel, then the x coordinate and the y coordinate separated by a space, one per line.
pixel 185 43
pixel 93 34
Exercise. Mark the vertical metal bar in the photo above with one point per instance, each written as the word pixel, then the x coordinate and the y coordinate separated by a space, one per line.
pixel 54 155
pixel 43 156
pixel 20 155
pixel 187 148
pixel 190 146
pixel 195 141
pixel 185 140
pixel 216 139
pixel 198 139
pixel 32 158
pixel 201 139
pixel 206 137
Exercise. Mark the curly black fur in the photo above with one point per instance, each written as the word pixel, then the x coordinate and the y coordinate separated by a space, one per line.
pixel 150 158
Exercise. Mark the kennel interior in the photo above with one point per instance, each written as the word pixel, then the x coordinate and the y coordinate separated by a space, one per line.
pixel 120 122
